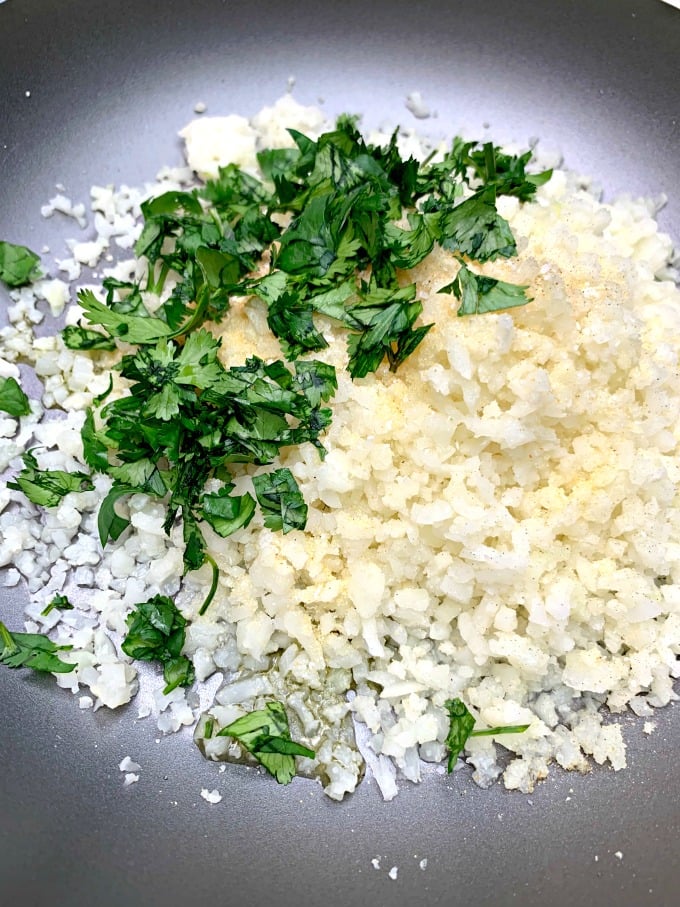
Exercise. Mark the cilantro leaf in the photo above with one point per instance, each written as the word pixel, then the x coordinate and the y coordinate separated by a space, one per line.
pixel 480 294
pixel 18 265
pixel 506 173
pixel 265 734
pixel 156 632
pixel 12 399
pixel 60 602
pixel 461 728
pixel 109 523
pixel 48 486
pixel 80 338
pixel 226 513
pixel 385 317
pixel 410 247
pixel 281 501
pixel 32 650
pixel 95 450
pixel 316 380
pixel 476 229
pixel 131 328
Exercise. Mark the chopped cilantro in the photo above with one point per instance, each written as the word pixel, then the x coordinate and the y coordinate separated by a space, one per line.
pixel 265 734
pixel 32 650
pixel 279 497
pixel 18 265
pixel 12 399
pixel 80 338
pixel 156 632
pixel 480 294
pixel 461 724
pixel 47 487
pixel 60 602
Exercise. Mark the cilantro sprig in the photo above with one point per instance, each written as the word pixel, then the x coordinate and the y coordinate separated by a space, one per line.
pixel 461 727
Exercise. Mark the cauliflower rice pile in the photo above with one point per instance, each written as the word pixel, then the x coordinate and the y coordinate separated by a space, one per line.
pixel 498 521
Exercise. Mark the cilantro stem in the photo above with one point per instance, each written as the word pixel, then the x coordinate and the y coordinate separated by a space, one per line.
pixel 509 729
pixel 213 585
pixel 195 319
pixel 8 644
pixel 490 162
pixel 156 285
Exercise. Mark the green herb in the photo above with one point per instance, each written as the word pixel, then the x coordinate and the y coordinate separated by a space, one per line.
pixel 279 497
pixel 188 419
pixel 80 338
pixel 47 487
pixel 18 265
pixel 346 197
pixel 265 734
pixel 60 602
pixel 156 632
pixel 461 728
pixel 480 294
pixel 12 399
pixel 32 650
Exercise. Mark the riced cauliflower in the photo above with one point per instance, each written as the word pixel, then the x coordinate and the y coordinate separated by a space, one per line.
pixel 496 521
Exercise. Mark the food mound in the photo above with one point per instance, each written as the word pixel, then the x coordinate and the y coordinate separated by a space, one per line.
pixel 377 429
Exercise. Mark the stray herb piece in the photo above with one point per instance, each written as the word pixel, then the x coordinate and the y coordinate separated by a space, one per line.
pixel 12 399
pixel 47 487
pixel 461 728
pixel 32 650
pixel 18 265
pixel 265 734
pixel 479 294
pixel 60 602
pixel 156 632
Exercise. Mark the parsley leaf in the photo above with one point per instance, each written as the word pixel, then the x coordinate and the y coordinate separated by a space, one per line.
pixel 18 265
pixel 12 399
pixel 461 728
pixel 48 486
pixel 156 632
pixel 60 602
pixel 265 734
pixel 480 294
pixel 32 650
